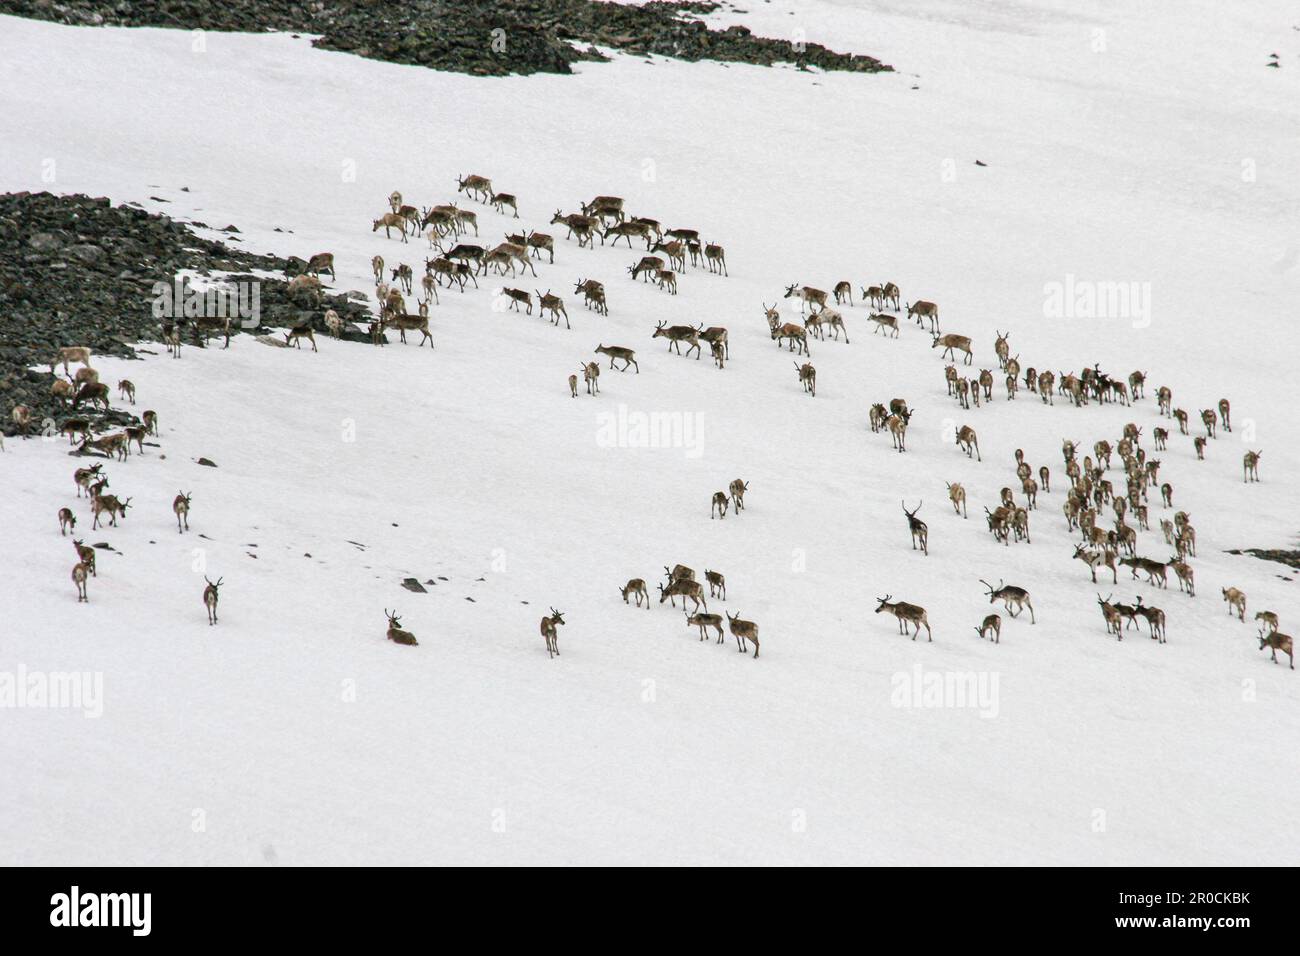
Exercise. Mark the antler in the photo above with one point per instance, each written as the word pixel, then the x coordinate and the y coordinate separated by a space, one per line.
pixel 982 581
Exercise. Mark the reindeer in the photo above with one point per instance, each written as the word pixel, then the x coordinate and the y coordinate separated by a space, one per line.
pixel 807 296
pixel 210 597
pixel 919 529
pixel 1236 601
pixel 377 267
pixel 181 506
pixel 648 266
pixel 71 353
pixel 889 293
pixel 1250 466
pixel 1225 413
pixel 968 441
pixel 550 634
pixel 554 305
pixel 605 207
pixel 592 291
pixel 518 297
pixel 583 226
pixel 717 584
pixel 993 624
pixel 1002 348
pixel 678 334
pixel 395 632
pixel 897 425
pixel 667 280
pixel 957 495
pixel 590 376
pixel 478 188
pixel 951 342
pixel 1186 576
pixel 843 292
pixel 1278 641
pixel 807 377
pixel 793 334
pixel 679 572
pixel 626 230
pixel 1010 595
pixel 720 504
pixel 986 383
pixel 1156 571
pixel 1180 416
pixel 873 296
pixel 102 503
pixel 738 489
pixel 675 251
pixel 573 386
pixel 79 579
pixel 704 621
pixel 295 336
pixel 501 200
pixel 538 241
pixel 403 275
pixel 96 393
pixel 921 310
pixel 1155 619
pixel 85 555
pixel 62 390
pixel 390 221
pixel 1112 615
pixel 743 631
pixel 683 588
pixel 628 356
pixel 717 335
pixel 67 521
pixel 1268 621
pixel 1209 420
pixel 1046 383
pixel 82 477
pixel 884 322
pixel 1103 557
pixel 907 614
pixel 635 588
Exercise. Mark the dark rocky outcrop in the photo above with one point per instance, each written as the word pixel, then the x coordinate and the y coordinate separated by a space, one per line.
pixel 482 37
pixel 76 270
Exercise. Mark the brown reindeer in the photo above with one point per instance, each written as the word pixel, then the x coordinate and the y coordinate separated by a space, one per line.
pixel 1236 601
pixel 968 441
pixel 79 579
pixel 550 634
pixel 919 529
pixel 705 621
pixel 181 507
pixel 720 504
pixel 951 342
pixel 991 624
pixel 395 632
pixel 907 614
pixel 210 597
pixel 1278 641
pixel 743 631
pixel 807 377
pixel 1250 466
pixel 683 588
pixel 1010 596
pixel 635 588
pixel 738 489
pixel 921 310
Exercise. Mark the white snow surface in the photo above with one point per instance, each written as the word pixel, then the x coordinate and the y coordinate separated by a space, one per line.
pixel 1123 142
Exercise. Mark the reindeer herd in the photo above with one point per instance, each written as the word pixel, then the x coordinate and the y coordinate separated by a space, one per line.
pixel 91 481
pixel 456 265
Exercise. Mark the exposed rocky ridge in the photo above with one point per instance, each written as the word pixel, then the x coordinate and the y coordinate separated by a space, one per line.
pixel 81 271
pixel 482 37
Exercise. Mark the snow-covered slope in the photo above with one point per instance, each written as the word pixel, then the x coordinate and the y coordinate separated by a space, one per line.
pixel 1121 146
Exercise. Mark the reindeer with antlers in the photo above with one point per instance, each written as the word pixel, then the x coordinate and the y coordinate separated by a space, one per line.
pixel 919 529
pixel 550 634
pixel 907 614
pixel 395 632
pixel 1014 599
pixel 210 597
